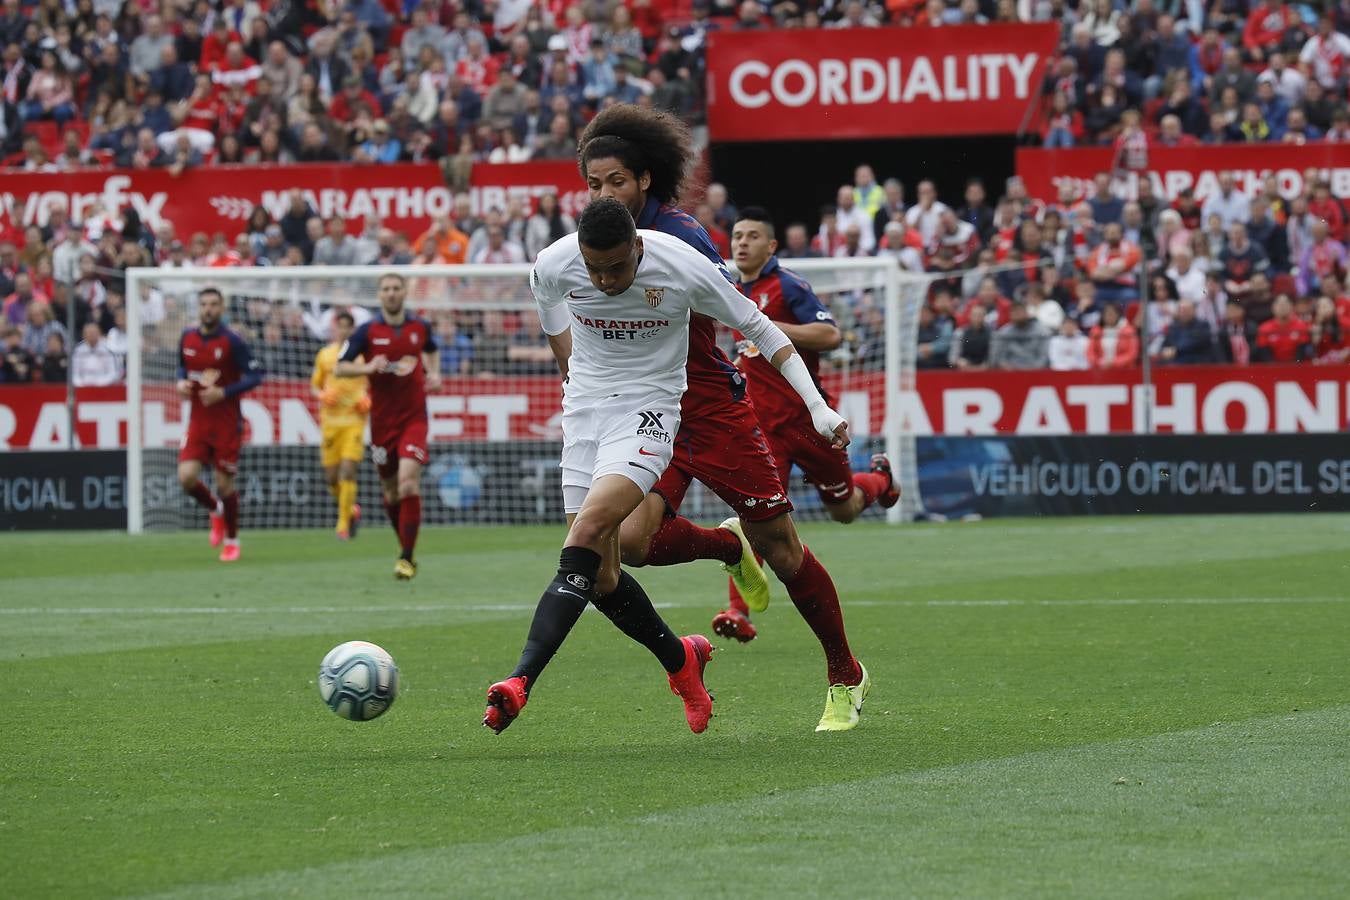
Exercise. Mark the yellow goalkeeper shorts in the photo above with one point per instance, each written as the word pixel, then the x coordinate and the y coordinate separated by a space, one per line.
pixel 342 442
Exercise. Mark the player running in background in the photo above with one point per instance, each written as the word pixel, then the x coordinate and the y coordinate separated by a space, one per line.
pixel 215 369
pixel 615 304
pixel 403 363
pixel 343 406
pixel 788 300
pixel 641 158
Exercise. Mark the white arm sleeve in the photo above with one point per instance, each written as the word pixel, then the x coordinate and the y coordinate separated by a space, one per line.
pixel 554 316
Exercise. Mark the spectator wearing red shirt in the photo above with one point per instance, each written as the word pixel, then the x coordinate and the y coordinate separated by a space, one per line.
pixel 353 95
pixel 476 69
pixel 1283 339
pixel 1113 343
pixel 216 43
pixel 202 109
pixel 236 69
pixel 1323 58
pixel 1131 144
pixel 233 110
pixel 1330 333
pixel 828 238
pixel 704 213
pixel 1171 135
pixel 1328 208
pixel 1063 126
pixel 996 306
pixel 956 236
pixel 1112 266
pixel 1266 26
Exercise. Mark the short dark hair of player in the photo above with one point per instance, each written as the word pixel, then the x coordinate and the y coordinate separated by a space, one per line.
pixel 394 275
pixel 345 316
pixel 605 224
pixel 201 295
pixel 757 214
pixel 643 140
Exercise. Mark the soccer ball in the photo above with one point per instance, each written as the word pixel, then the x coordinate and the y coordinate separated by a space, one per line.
pixel 358 680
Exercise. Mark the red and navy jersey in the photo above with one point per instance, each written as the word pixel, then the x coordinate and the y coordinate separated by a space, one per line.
pixel 219 358
pixel 711 375
pixel 398 394
pixel 783 296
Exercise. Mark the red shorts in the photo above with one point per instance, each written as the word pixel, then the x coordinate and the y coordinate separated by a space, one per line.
pixel 404 440
pixel 721 445
pixel 214 447
pixel 825 467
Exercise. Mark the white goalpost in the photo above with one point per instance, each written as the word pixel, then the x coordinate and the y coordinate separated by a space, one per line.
pixel 494 426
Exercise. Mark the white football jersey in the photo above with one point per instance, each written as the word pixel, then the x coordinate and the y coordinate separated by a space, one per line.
pixel 638 341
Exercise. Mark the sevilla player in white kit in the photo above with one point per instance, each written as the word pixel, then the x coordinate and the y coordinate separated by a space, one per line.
pixel 615 303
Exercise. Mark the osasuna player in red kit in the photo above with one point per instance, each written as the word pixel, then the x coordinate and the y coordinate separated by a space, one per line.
pixel 641 158
pixel 403 363
pixel 788 300
pixel 215 369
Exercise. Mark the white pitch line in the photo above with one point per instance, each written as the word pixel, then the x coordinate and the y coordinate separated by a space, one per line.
pixel 521 607
pixel 249 610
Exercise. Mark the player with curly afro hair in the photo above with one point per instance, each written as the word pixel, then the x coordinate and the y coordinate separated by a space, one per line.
pixel 643 158
pixel 654 147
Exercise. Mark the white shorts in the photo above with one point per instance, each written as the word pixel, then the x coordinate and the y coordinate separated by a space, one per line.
pixel 632 436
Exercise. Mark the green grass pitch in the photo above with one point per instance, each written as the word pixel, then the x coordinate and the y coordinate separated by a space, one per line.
pixel 1075 708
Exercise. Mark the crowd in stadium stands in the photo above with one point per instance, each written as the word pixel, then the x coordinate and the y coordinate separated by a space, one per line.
pixel 184 83
pixel 1037 282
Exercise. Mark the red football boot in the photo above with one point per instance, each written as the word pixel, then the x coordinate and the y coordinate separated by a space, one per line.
pixel 687 684
pixel 505 701
pixel 734 625
pixel 881 464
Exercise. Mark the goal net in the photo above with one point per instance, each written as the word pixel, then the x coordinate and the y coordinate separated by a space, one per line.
pixel 494 432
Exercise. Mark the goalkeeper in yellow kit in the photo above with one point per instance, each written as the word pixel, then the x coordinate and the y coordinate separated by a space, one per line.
pixel 343 407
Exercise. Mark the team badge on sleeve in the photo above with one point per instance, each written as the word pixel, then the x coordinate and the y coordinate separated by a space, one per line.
pixel 655 296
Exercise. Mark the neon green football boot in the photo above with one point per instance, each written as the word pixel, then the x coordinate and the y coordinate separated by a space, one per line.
pixel 747 575
pixel 843 704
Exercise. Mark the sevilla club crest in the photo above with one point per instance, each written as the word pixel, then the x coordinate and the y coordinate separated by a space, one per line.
pixel 655 296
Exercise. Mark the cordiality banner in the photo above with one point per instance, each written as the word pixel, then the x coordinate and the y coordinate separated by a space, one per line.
pixel 875 82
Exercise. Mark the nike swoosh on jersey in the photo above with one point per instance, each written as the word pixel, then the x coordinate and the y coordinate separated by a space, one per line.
pixel 575 296
pixel 643 451
pixel 573 593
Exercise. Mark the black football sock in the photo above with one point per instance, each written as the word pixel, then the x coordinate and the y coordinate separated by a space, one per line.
pixel 631 610
pixel 558 610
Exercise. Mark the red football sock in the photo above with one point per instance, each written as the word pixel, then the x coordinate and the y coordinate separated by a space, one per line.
pixel 391 510
pixel 202 494
pixel 872 484
pixel 812 592
pixel 734 598
pixel 231 515
pixel 680 541
pixel 409 520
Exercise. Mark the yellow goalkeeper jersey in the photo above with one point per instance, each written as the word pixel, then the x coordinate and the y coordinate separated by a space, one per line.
pixel 350 404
